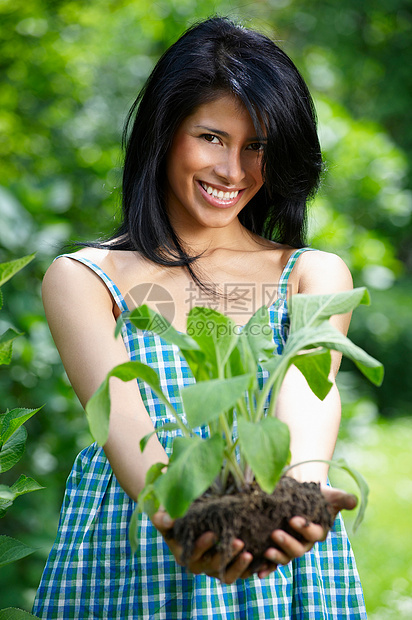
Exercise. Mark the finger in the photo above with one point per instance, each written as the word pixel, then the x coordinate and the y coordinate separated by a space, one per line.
pixel 276 556
pixel 312 532
pixel 266 570
pixel 238 568
pixel 211 564
pixel 289 547
pixel 203 544
pixel 162 521
pixel 338 499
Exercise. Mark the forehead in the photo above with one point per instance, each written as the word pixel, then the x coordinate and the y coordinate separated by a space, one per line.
pixel 224 109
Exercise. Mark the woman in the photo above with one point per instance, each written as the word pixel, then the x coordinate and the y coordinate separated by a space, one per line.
pixel 221 157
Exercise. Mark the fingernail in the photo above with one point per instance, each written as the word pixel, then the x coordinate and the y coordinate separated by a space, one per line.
pixel 238 545
pixel 167 521
pixel 299 523
pixel 271 555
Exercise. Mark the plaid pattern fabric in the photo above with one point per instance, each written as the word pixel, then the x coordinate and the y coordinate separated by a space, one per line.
pixel 91 572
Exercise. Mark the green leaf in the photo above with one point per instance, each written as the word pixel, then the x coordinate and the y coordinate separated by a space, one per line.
pixel 362 485
pixel 205 401
pixel 12 550
pixel 6 493
pixel 98 406
pixel 310 310
pixel 146 319
pixel 193 467
pixel 259 335
pixel 25 485
pixel 6 345
pixel 13 449
pixel 325 335
pixel 315 367
pixel 7 270
pixel 12 420
pixel 216 335
pixel 265 445
pixel 147 500
pixel 12 613
pixel 168 426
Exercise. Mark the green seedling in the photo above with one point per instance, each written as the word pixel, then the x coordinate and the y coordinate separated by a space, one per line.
pixel 245 441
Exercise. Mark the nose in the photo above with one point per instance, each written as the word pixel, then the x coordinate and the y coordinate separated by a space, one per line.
pixel 230 167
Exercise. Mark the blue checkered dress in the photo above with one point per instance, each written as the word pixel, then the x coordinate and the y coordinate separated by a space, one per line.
pixel 91 572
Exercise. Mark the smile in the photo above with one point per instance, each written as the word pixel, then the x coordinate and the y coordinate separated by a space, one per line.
pixel 212 191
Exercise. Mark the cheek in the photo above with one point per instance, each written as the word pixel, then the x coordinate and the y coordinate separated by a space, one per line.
pixel 188 155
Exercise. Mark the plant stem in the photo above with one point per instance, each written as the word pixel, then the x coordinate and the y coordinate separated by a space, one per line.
pixel 185 430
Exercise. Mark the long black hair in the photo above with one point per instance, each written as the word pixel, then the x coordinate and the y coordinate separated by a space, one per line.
pixel 212 58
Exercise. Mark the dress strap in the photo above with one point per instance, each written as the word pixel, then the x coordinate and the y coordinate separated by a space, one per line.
pixel 116 294
pixel 283 282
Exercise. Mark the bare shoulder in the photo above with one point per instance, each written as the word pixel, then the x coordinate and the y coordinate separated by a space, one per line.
pixel 68 283
pixel 321 272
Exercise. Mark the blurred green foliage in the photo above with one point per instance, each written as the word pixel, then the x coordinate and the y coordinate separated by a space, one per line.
pixel 69 72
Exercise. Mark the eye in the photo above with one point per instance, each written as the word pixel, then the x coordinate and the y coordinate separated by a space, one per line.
pixel 255 146
pixel 210 137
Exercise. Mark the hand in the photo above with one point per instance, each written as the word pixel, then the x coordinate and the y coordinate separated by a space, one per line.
pixel 201 561
pixel 291 548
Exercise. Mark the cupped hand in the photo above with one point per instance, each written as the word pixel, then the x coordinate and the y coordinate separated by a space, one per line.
pixel 290 547
pixel 201 561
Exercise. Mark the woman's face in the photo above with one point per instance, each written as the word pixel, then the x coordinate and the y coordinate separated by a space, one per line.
pixel 213 166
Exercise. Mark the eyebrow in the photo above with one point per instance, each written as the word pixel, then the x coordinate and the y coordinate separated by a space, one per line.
pixel 224 134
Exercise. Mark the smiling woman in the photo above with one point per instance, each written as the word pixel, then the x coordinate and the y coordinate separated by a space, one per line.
pixel 222 155
pixel 212 176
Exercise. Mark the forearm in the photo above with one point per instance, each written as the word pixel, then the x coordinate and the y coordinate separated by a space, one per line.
pixel 313 425
pixel 122 449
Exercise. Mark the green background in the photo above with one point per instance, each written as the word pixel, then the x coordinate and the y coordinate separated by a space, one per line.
pixel 69 72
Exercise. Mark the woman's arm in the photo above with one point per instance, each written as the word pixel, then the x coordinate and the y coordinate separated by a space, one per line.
pixel 314 424
pixel 79 310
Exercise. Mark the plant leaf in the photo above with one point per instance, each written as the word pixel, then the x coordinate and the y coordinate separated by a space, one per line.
pixel 325 335
pixel 98 406
pixel 12 613
pixel 168 426
pixel 315 367
pixel 7 270
pixel 193 466
pixel 12 550
pixel 25 485
pixel 215 333
pixel 362 485
pixel 265 445
pixel 12 420
pixel 6 493
pixel 6 345
pixel 310 310
pixel 146 319
pixel 13 449
pixel 259 335
pixel 205 401
pixel 6 499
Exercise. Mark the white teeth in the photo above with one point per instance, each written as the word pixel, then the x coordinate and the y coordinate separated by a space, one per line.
pixel 219 193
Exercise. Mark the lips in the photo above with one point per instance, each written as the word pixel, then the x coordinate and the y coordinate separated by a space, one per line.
pixel 217 197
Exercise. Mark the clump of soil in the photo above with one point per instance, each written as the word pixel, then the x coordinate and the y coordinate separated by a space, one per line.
pixel 251 515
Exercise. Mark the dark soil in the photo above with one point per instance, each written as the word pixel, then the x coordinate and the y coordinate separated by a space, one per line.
pixel 251 516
